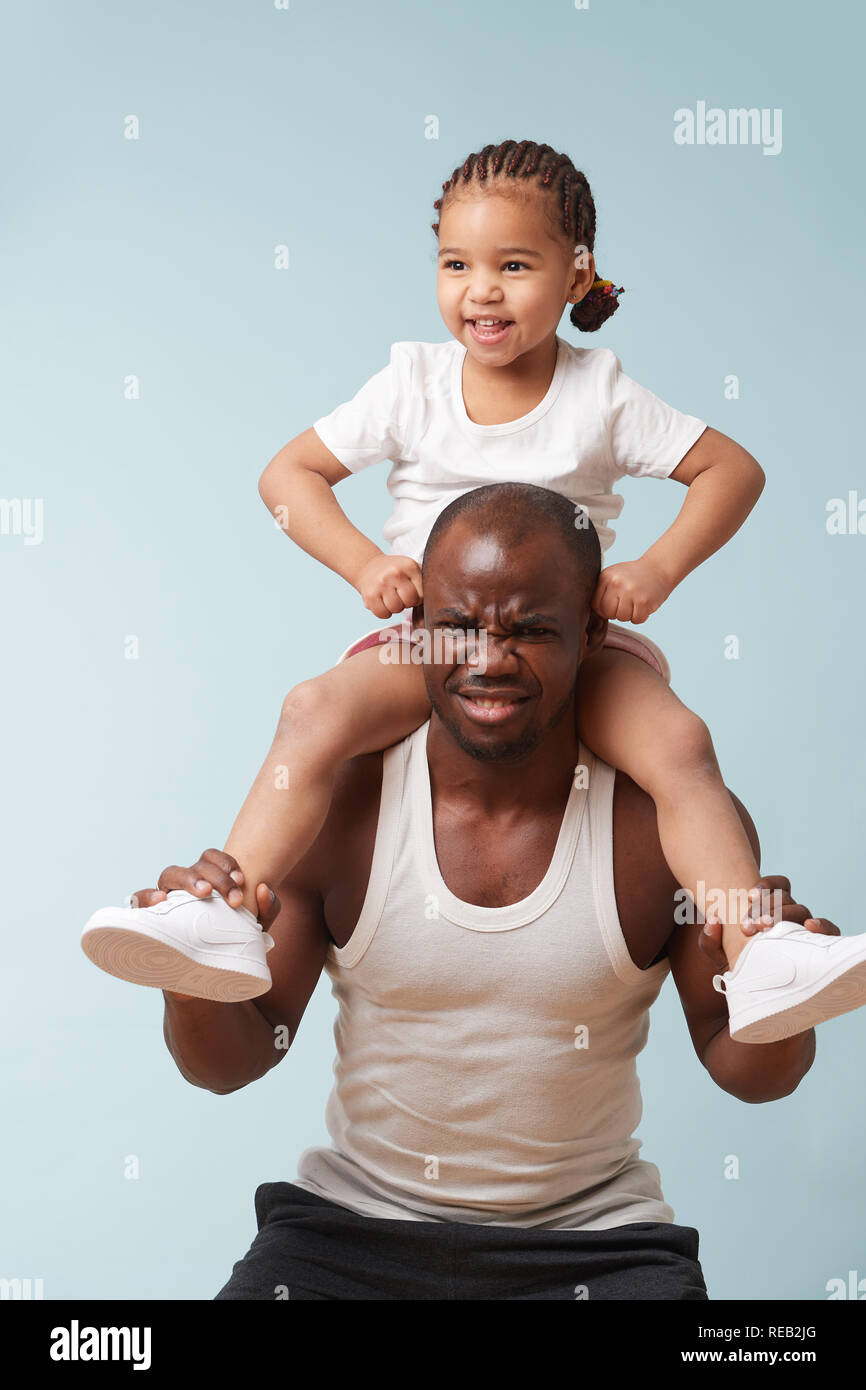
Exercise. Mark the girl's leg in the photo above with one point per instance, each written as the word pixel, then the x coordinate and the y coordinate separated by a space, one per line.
pixel 629 716
pixel 359 706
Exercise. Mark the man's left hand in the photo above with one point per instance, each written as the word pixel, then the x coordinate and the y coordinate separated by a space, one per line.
pixel 791 911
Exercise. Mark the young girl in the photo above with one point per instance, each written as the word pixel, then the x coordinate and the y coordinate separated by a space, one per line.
pixel 505 399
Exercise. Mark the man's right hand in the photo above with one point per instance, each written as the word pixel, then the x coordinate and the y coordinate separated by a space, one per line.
pixel 390 583
pixel 215 871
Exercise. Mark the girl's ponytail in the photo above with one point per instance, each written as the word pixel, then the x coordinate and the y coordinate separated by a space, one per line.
pixel 597 305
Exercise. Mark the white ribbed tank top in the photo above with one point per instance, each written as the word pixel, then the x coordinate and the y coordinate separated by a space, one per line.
pixel 485 1067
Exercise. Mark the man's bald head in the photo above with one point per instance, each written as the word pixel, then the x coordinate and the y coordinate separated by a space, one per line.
pixel 517 513
pixel 516 565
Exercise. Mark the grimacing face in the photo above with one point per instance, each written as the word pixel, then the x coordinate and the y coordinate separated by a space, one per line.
pixel 538 630
pixel 499 258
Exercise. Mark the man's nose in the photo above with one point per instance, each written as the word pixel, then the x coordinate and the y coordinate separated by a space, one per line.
pixel 493 653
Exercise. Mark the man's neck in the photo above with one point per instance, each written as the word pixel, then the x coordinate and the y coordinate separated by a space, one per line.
pixel 534 783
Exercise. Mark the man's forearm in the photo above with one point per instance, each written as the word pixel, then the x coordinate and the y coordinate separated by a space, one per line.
pixel 219 1047
pixel 756 1072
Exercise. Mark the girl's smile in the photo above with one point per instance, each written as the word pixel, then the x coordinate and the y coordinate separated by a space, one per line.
pixel 489 330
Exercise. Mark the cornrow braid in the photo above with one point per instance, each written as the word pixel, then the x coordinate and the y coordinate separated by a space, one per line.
pixel 524 162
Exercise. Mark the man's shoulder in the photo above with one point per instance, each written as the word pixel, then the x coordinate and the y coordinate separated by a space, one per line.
pixel 636 840
pixel 355 795
pixel 632 806
pixel 343 849
pixel 644 887
pixel 636 819
pixel 632 798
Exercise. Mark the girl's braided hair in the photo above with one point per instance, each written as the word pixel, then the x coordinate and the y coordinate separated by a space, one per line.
pixel 523 163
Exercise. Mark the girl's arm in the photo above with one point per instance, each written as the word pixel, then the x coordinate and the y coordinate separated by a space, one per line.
pixel 724 482
pixel 297 487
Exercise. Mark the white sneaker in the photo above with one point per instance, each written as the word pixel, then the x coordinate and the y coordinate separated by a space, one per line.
pixel 197 946
pixel 787 979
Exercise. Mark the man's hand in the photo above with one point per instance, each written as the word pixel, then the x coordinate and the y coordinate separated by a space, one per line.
pixel 711 935
pixel 390 583
pixel 630 592
pixel 215 871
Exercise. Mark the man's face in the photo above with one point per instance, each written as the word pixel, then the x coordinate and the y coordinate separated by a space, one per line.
pixel 525 600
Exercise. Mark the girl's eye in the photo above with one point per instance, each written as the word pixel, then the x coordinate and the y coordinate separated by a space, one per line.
pixel 449 265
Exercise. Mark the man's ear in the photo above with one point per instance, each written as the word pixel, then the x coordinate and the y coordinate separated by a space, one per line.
pixel 596 631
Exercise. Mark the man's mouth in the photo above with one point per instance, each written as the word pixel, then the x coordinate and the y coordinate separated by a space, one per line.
pixel 490 708
pixel 489 330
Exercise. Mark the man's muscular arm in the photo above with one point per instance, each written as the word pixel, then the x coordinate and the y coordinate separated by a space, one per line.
pixel 223 1047
pixel 753 1072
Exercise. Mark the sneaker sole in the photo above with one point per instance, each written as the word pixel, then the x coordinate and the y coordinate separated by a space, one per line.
pixel 142 960
pixel 839 996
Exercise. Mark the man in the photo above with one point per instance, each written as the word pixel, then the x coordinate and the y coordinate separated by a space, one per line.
pixel 493 908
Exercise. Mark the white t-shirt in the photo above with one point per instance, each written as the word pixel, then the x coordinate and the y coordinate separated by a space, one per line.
pixel 594 426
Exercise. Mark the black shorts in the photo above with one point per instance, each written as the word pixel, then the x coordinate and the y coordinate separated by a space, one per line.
pixel 308 1247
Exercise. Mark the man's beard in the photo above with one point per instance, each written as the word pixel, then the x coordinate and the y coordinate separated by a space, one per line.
pixel 502 752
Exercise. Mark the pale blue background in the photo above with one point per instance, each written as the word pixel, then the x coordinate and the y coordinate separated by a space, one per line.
pixel 155 257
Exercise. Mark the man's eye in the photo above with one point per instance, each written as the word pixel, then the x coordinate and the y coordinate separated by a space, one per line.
pixel 534 632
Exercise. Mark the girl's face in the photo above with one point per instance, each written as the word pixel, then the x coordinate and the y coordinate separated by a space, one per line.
pixel 499 260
